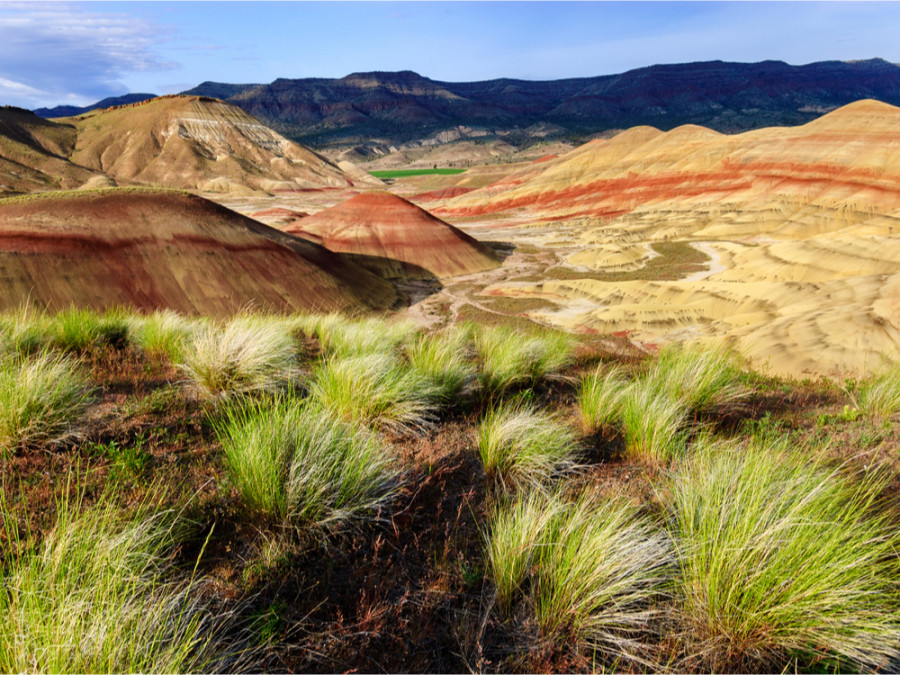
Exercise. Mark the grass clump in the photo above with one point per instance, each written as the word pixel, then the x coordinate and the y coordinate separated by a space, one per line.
pixel 92 597
pixel 510 357
pixel 24 331
pixel 703 378
pixel 600 398
pixel 654 424
pixel 587 567
pixel 783 563
pixel 42 397
pixel 375 390
pixel 521 446
pixel 244 355
pixel 162 334
pixel 879 397
pixel 342 336
pixel 443 359
pixel 77 329
pixel 297 465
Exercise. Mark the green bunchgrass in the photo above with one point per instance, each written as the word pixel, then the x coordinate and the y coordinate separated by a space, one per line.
pixel 245 354
pixel 703 378
pixel 377 390
pixel 93 595
pixel 879 396
pixel 600 398
pixel 77 329
pixel 164 333
pixel 403 173
pixel 589 568
pixel 42 399
pixel 297 465
pixel 521 446
pixel 444 359
pixel 340 335
pixel 654 424
pixel 510 357
pixel 24 331
pixel 784 563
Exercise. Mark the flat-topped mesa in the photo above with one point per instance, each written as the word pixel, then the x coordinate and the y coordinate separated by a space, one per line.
pixel 198 143
pixel 396 238
pixel 153 249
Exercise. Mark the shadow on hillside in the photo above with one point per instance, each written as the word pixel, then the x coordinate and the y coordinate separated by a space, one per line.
pixel 413 283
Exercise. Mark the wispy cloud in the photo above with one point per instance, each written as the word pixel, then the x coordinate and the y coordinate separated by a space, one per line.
pixel 55 52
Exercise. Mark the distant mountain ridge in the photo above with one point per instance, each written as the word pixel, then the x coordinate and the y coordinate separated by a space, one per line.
pixel 72 110
pixel 398 107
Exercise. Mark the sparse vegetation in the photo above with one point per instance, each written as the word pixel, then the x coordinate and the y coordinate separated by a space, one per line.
pixel 405 173
pixel 520 446
pixel 377 390
pixel 42 399
pixel 592 567
pixel 94 596
pixel 510 357
pixel 243 355
pixel 757 552
pixel 600 398
pixel 879 397
pixel 782 561
pixel 295 465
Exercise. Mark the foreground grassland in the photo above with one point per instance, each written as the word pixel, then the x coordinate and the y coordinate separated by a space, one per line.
pixel 321 493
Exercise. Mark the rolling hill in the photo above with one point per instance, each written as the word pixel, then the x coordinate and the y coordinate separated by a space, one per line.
pixel 801 227
pixel 155 249
pixel 395 238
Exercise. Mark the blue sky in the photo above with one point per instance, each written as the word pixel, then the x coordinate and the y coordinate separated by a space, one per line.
pixel 80 52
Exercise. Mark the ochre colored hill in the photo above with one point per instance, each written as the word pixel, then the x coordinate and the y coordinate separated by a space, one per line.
pixel 155 249
pixel 396 237
pixel 34 154
pixel 802 226
pixel 193 142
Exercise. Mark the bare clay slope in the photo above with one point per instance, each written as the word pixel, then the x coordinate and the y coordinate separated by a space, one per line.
pixel 802 224
pixel 155 249
pixel 34 154
pixel 193 142
pixel 396 236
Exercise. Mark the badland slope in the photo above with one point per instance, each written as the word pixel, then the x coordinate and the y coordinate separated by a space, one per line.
pixel 801 226
pixel 155 249
pixel 395 237
pixel 192 142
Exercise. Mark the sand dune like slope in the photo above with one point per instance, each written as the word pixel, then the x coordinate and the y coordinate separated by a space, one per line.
pixel 398 238
pixel 803 225
pixel 155 249
pixel 193 142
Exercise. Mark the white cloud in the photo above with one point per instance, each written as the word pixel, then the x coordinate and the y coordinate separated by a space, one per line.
pixel 55 52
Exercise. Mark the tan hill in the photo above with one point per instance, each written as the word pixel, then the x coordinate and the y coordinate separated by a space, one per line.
pixel 34 154
pixel 163 249
pixel 198 143
pixel 396 238
pixel 802 227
